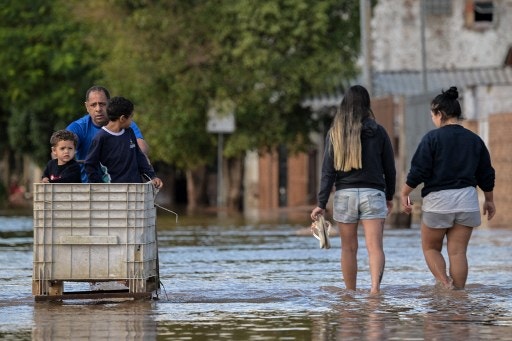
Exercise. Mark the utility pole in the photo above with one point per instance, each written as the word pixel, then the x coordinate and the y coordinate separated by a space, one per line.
pixel 423 47
pixel 365 17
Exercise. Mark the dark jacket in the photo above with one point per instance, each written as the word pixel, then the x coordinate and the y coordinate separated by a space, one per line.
pixel 117 158
pixel 67 173
pixel 378 171
pixel 451 157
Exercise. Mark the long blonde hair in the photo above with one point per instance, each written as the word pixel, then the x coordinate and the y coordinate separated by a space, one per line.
pixel 346 129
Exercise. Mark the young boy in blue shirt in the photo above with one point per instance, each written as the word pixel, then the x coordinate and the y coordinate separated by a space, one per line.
pixel 114 155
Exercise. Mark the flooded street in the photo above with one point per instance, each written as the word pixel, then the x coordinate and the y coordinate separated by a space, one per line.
pixel 230 280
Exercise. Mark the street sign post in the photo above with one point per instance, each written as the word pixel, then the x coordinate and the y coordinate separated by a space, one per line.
pixel 221 120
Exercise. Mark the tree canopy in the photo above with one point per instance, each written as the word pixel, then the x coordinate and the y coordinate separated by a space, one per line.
pixel 46 67
pixel 175 60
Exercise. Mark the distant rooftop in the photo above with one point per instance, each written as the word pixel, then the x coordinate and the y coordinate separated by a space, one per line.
pixel 409 83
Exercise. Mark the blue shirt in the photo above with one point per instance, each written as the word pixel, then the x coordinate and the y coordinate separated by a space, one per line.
pixel 85 129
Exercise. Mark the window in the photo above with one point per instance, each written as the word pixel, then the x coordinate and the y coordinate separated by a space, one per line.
pixel 483 11
pixel 480 14
pixel 438 7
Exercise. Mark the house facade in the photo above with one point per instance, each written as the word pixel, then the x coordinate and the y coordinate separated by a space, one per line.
pixel 431 45
pixel 418 48
pixel 459 34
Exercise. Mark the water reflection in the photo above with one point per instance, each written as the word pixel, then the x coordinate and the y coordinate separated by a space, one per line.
pixel 94 321
pixel 367 314
pixel 265 282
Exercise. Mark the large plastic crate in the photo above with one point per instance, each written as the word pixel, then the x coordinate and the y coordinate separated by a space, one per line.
pixel 94 233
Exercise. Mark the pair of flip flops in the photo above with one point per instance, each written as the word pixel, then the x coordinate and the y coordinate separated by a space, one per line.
pixel 321 229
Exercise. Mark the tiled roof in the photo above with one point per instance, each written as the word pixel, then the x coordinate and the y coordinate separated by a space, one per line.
pixel 408 83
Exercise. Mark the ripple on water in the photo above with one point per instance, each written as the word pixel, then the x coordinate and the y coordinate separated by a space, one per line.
pixel 267 282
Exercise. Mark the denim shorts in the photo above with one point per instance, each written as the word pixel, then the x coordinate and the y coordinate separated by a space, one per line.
pixel 354 204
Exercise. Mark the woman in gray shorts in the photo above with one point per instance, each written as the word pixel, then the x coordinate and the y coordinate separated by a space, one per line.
pixel 450 161
pixel 359 161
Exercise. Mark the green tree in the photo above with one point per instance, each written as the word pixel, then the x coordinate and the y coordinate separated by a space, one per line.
pixel 176 58
pixel 46 67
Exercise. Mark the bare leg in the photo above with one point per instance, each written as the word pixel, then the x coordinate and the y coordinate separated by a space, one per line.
pixel 374 231
pixel 432 244
pixel 457 245
pixel 349 245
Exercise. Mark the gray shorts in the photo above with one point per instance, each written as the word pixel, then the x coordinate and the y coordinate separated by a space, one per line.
pixel 446 220
pixel 354 204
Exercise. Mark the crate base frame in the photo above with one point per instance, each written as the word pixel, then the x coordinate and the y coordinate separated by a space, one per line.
pixel 97 295
pixel 55 290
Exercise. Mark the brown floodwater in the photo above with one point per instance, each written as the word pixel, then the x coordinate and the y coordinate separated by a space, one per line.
pixel 229 279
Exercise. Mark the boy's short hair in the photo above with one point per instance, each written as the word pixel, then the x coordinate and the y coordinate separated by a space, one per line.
pixel 119 106
pixel 63 135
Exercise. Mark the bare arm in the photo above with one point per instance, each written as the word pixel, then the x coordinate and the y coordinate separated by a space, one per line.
pixel 489 207
pixel 143 146
pixel 404 198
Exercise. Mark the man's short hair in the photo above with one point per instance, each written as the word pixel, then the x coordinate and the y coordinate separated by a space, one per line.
pixel 97 88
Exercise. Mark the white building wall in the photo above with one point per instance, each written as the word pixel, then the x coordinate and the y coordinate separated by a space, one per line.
pixel 482 101
pixel 396 37
pixel 251 180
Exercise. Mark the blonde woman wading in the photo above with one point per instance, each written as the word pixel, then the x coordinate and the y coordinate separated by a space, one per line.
pixel 359 161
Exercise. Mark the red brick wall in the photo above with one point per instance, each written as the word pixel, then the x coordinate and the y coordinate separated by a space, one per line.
pixel 268 184
pixel 297 185
pixel 500 146
pixel 384 111
pixel 471 125
pixel 298 180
